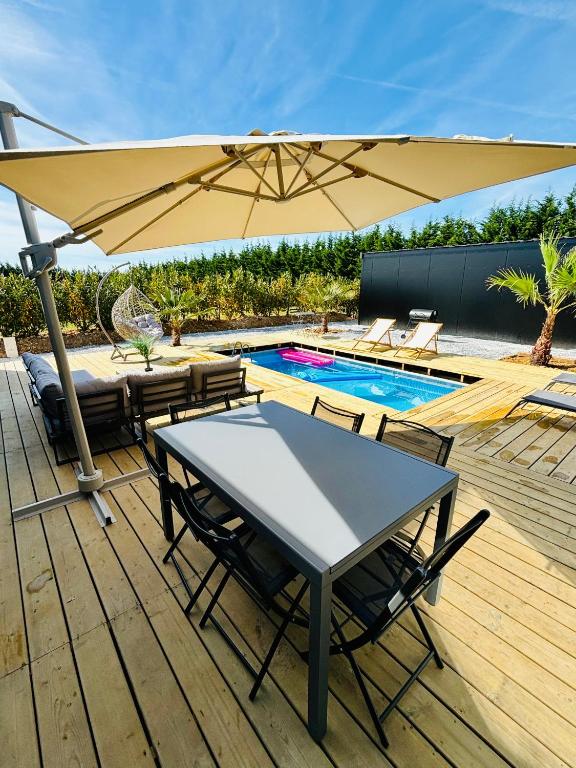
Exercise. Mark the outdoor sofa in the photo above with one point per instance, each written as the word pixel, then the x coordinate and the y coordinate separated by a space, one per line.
pixel 118 403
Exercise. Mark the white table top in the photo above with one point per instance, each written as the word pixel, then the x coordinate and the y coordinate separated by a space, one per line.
pixel 323 491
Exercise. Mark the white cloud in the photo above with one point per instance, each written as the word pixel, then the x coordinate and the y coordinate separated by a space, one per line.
pixel 555 10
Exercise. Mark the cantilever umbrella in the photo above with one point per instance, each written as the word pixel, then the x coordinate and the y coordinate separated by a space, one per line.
pixel 133 196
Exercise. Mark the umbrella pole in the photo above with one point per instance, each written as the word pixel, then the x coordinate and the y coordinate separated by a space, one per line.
pixel 43 258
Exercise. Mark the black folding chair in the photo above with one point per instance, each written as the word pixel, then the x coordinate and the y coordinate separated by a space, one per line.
pixel 323 410
pixel 197 408
pixel 256 566
pixel 213 507
pixel 377 591
pixel 425 443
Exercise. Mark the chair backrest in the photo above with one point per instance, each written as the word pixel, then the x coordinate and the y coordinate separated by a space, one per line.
pixel 98 409
pixel 232 381
pixel 155 396
pixel 422 335
pixel 418 439
pixel 197 408
pixel 224 543
pixel 418 578
pixel 379 328
pixel 323 410
pixel 150 459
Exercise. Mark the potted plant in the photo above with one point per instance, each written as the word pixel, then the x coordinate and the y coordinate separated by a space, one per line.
pixel 144 346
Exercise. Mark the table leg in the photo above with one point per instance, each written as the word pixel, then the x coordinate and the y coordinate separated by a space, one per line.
pixel 319 644
pixel 443 526
pixel 165 501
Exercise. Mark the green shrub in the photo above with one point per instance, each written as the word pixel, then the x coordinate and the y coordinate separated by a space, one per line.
pixel 20 307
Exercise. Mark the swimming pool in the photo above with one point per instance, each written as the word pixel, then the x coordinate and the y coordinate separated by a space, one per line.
pixel 387 386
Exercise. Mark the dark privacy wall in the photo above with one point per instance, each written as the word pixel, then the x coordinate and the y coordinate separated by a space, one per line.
pixel 453 281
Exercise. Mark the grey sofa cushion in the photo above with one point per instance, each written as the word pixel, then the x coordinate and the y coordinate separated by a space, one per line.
pixel 81 376
pixel 104 384
pixel 49 388
pixel 162 374
pixel 37 365
pixel 212 366
pixel 27 358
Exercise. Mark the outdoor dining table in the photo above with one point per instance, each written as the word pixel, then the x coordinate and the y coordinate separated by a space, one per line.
pixel 324 496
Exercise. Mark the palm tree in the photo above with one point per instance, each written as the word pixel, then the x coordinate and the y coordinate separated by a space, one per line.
pixel 325 295
pixel 176 306
pixel 559 293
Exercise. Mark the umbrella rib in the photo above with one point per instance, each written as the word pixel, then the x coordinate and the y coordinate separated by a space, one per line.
pixel 337 162
pixel 279 170
pixel 323 191
pixel 300 167
pixel 168 210
pixel 255 172
pixel 149 223
pixel 365 172
pixel 316 187
pixel 255 198
pixel 223 165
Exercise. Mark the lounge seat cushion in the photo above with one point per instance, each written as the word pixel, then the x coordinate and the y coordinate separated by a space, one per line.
pixel 104 384
pixel 253 389
pixel 162 374
pixel 552 399
pixel 50 389
pixel 212 366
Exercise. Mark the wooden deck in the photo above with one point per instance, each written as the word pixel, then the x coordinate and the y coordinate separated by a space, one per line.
pixel 100 667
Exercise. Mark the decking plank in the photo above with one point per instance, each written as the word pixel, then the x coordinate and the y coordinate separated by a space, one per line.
pixel 107 616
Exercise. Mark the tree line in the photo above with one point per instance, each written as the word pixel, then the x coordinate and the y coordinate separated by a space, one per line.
pixel 259 277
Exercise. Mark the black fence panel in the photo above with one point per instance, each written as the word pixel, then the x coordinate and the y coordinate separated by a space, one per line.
pixel 452 280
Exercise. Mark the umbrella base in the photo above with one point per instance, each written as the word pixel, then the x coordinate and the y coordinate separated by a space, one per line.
pixel 99 506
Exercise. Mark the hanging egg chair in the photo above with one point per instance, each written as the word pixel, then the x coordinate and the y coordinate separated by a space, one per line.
pixel 133 316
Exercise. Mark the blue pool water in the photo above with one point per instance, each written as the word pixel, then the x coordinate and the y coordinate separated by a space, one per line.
pixel 387 386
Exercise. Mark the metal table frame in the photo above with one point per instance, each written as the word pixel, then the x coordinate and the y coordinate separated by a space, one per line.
pixel 320 583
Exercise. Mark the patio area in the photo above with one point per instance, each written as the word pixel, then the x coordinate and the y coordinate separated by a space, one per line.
pixel 100 666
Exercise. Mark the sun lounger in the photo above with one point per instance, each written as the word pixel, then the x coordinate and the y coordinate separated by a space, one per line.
pixel 549 399
pixel 379 329
pixel 562 378
pixel 421 338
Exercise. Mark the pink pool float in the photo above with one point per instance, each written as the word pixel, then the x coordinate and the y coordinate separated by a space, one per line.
pixel 305 358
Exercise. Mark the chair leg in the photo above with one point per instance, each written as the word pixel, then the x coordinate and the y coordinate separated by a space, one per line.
pixel 427 637
pixel 361 684
pixel 279 634
pixel 214 600
pixel 174 544
pixel 514 408
pixel 202 586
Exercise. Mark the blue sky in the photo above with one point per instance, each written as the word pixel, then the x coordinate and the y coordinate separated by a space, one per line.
pixel 152 69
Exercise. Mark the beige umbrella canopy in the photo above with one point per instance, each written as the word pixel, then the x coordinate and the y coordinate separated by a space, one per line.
pixel 133 196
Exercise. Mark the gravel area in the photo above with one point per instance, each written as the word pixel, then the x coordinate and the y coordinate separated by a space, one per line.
pixel 456 345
